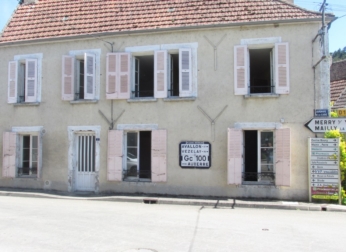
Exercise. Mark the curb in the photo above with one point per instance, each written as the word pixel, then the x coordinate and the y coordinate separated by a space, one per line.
pixel 231 203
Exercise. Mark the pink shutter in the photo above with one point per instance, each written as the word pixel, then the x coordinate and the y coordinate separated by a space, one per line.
pixel 31 80
pixel 159 156
pixel 282 157
pixel 111 76
pixel 282 68
pixel 89 76
pixel 235 156
pixel 115 155
pixel 12 82
pixel 9 154
pixel 160 74
pixel 124 76
pixel 68 63
pixel 185 73
pixel 240 70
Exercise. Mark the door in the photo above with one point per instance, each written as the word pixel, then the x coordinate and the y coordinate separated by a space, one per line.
pixel 85 165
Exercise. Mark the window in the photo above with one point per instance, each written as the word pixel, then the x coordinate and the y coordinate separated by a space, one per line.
pixel 261 80
pixel 259 155
pixel 81 75
pixel 24 79
pixel 138 155
pixel 22 153
pixel 144 156
pixel 159 71
pixel 261 66
pixel 28 159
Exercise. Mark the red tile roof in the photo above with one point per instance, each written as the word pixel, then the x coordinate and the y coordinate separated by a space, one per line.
pixel 338 94
pixel 63 18
pixel 338 70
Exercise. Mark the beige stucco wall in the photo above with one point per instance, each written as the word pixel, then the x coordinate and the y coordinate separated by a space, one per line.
pixel 183 120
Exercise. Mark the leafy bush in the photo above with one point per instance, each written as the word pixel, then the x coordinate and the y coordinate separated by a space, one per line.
pixel 342 165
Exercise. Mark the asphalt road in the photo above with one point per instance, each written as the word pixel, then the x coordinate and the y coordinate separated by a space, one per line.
pixel 32 224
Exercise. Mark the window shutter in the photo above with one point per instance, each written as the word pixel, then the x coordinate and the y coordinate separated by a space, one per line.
pixel 240 70
pixel 9 154
pixel 111 76
pixel 124 76
pixel 68 63
pixel 115 155
pixel 31 80
pixel 159 155
pixel 160 74
pixel 12 81
pixel 282 83
pixel 89 76
pixel 235 156
pixel 283 157
pixel 185 73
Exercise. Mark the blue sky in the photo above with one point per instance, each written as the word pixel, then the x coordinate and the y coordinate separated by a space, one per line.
pixel 337 33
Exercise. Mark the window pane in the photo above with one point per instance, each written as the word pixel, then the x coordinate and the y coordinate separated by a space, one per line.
pixel 266 139
pixel 26 141
pixel 132 139
pixel 34 155
pixel 34 141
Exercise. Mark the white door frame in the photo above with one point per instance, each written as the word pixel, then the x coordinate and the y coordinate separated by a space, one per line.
pixel 73 132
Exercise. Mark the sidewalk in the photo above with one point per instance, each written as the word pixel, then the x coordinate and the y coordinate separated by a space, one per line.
pixel 228 203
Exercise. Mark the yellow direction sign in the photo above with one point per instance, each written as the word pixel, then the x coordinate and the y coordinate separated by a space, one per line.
pixel 342 112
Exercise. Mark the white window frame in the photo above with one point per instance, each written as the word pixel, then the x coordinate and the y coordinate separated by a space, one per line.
pixel 20 86
pixel 171 49
pixel 28 131
pixel 259 127
pixel 131 128
pixel 79 54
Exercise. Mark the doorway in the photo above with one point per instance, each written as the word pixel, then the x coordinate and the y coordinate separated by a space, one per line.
pixel 85 165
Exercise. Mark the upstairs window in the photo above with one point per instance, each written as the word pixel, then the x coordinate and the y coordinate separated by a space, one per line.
pixel 261 68
pixel 24 81
pixel 80 75
pixel 261 71
pixel 153 71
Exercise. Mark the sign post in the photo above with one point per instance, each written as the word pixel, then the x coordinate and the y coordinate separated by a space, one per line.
pixel 321 125
pixel 324 172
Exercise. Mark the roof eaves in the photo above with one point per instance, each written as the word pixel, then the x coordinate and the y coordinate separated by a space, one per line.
pixel 181 28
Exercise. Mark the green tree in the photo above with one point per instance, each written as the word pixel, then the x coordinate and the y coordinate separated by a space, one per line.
pixel 339 54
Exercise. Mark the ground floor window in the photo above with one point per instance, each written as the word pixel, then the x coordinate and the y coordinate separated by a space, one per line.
pixel 137 152
pixel 22 152
pixel 28 155
pixel 138 155
pixel 258 156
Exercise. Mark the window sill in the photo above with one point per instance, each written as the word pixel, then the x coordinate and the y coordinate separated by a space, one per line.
pixel 83 101
pixel 179 99
pixel 26 104
pixel 143 99
pixel 261 96
pixel 267 183
pixel 133 179
pixel 27 176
